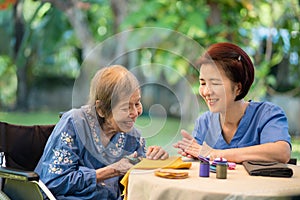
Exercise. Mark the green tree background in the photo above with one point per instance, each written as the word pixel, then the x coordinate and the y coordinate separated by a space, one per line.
pixel 43 42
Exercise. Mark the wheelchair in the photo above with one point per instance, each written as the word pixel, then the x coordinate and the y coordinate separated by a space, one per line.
pixel 20 150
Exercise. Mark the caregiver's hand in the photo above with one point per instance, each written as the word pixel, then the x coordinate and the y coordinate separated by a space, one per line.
pixel 156 152
pixel 188 146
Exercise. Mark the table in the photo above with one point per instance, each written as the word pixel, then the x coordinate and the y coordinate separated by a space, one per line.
pixel 144 185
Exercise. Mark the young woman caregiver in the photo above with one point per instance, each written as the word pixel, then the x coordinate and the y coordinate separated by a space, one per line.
pixel 233 128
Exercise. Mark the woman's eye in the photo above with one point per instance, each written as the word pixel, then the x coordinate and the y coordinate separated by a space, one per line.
pixel 124 109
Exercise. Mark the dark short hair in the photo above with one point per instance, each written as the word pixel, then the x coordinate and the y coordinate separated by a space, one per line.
pixel 235 62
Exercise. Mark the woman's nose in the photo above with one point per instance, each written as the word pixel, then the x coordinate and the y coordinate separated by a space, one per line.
pixel 206 90
pixel 133 112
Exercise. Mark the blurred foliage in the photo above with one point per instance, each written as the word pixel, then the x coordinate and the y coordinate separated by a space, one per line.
pixel 268 30
pixel 8 81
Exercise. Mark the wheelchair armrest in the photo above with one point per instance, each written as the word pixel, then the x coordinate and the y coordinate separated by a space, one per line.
pixel 16 174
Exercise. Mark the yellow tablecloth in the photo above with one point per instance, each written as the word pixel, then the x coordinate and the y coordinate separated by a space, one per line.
pixel 170 163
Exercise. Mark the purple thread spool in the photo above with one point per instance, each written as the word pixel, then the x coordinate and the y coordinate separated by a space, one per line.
pixel 204 167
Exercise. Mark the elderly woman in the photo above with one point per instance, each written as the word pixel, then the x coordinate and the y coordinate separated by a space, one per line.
pixel 234 129
pixel 90 147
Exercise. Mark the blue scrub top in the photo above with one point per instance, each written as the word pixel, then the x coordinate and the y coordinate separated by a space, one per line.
pixel 263 122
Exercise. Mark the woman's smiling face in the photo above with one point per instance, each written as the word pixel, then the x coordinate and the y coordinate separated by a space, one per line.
pixel 125 113
pixel 216 88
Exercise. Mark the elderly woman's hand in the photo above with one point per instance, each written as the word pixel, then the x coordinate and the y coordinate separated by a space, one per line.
pixel 115 169
pixel 156 152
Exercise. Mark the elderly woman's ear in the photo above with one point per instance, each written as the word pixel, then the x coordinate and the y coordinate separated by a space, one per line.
pixel 98 109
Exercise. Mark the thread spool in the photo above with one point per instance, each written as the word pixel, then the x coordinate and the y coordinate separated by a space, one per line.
pixel 221 171
pixel 221 168
pixel 204 167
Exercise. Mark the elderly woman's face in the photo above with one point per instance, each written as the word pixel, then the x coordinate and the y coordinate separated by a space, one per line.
pixel 125 113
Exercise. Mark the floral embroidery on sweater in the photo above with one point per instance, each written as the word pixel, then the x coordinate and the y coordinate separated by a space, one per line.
pixel 61 156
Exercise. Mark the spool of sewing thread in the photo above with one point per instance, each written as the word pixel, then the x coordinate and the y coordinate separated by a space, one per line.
pixel 221 168
pixel 204 167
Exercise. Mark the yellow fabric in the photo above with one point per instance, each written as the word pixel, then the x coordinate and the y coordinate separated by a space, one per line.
pixel 174 162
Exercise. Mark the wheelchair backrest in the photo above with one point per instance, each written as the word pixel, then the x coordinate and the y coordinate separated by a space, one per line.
pixel 23 145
